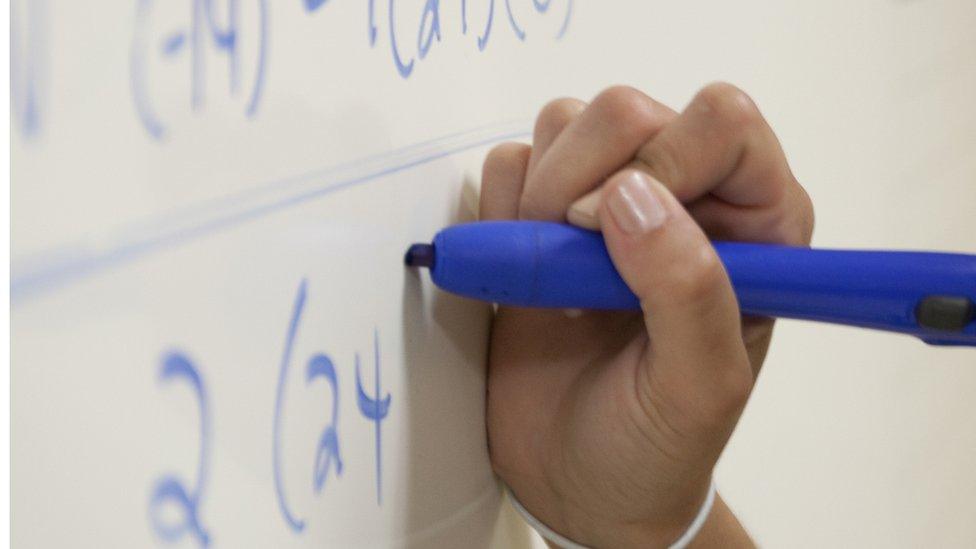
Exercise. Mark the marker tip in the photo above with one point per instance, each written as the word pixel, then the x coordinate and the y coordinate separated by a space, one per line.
pixel 420 255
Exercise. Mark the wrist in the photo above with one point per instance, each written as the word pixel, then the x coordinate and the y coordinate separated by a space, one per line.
pixel 563 524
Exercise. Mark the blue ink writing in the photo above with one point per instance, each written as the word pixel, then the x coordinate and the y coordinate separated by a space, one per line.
pixel 483 39
pixel 432 13
pixel 312 5
pixel 372 23
pixel 205 33
pixel 202 32
pixel 171 490
pixel 27 24
pixel 511 21
pixel 327 452
pixel 569 15
pixel 328 456
pixel 429 30
pixel 403 68
pixel 375 409
pixel 294 523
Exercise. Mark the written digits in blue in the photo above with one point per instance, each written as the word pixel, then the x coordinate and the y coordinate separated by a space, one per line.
pixel 217 30
pixel 170 493
pixel 328 455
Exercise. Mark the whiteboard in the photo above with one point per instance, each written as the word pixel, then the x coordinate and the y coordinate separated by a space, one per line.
pixel 213 341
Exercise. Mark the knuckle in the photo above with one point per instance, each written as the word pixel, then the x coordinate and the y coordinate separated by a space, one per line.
pixel 808 217
pixel 699 276
pixel 504 158
pixel 735 384
pixel 505 154
pixel 729 104
pixel 557 114
pixel 627 110
pixel 793 221
pixel 781 225
pixel 664 160
pixel 531 207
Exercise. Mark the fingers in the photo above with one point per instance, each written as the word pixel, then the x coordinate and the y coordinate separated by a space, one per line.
pixel 503 173
pixel 691 314
pixel 722 145
pixel 502 176
pixel 591 147
pixel 788 222
pixel 722 158
pixel 552 120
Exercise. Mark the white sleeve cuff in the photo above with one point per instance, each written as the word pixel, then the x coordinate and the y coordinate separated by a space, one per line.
pixel 566 543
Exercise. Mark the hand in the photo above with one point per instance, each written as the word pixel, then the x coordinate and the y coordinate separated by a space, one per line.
pixel 607 425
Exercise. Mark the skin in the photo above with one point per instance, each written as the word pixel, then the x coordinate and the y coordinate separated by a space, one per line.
pixel 607 425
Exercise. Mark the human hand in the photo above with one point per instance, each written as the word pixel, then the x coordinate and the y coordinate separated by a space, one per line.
pixel 606 425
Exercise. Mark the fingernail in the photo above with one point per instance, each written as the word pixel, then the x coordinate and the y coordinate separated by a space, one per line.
pixel 584 212
pixel 635 207
pixel 573 313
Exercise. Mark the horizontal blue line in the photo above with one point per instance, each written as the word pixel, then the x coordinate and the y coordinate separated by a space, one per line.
pixel 80 263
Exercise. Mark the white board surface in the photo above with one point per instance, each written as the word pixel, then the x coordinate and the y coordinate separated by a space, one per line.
pixel 210 202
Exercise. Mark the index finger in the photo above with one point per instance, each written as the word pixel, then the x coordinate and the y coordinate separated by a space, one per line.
pixel 594 145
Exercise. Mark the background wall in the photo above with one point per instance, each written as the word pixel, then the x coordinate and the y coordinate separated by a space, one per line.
pixel 209 197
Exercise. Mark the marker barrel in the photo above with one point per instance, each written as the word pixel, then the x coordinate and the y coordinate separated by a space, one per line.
pixel 551 265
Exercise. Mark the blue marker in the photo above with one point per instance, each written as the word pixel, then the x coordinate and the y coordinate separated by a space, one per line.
pixel 538 264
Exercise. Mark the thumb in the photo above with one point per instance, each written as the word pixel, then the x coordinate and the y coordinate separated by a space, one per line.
pixel 696 359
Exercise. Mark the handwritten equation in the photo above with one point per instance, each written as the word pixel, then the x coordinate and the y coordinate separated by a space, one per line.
pixel 169 491
pixel 207 29
pixel 212 30
pixel 232 37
